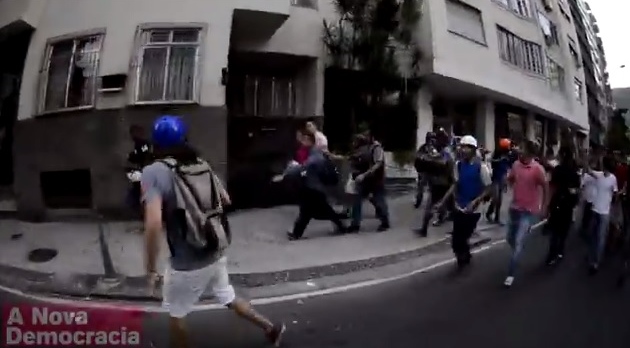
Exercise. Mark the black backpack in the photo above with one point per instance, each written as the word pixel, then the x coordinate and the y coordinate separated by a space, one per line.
pixel 330 173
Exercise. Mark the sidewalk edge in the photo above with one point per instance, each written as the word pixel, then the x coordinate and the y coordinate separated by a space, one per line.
pixel 93 286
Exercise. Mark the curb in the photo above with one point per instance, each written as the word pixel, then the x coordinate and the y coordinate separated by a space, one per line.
pixel 124 288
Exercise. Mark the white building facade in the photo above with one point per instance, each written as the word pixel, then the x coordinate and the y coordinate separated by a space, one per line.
pixel 243 73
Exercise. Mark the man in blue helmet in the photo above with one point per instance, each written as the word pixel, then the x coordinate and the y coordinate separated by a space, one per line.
pixel 192 268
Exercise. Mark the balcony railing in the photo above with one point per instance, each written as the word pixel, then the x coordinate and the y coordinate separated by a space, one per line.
pixel 305 3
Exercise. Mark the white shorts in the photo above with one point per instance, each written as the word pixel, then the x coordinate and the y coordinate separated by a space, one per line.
pixel 183 289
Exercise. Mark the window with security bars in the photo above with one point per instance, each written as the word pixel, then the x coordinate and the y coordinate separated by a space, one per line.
pixel 524 54
pixel 167 65
pixel 556 74
pixel 520 7
pixel 68 80
pixel 578 90
pixel 263 95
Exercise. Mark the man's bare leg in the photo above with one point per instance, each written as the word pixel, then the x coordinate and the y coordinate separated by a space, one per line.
pixel 245 310
pixel 179 333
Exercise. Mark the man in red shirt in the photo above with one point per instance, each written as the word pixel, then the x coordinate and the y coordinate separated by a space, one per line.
pixel 621 171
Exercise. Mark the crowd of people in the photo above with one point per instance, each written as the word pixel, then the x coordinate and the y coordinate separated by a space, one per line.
pixel 546 191
pixel 179 193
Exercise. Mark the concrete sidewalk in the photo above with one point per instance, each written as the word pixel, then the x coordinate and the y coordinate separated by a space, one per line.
pixel 260 254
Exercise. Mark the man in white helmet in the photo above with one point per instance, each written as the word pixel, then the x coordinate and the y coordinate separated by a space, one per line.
pixel 472 183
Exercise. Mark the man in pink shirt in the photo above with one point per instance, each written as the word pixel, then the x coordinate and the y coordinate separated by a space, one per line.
pixel 529 202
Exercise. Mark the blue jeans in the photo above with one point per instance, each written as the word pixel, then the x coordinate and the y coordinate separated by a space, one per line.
pixel 598 236
pixel 377 199
pixel 519 224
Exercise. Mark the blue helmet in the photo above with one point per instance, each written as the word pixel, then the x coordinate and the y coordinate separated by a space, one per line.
pixel 169 131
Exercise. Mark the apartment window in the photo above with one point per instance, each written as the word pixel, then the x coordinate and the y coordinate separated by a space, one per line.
pixel 577 84
pixel 549 29
pixel 562 5
pixel 465 20
pixel 520 7
pixel 574 55
pixel 168 62
pixel 305 3
pixel 519 52
pixel 268 96
pixel 69 74
pixel 555 74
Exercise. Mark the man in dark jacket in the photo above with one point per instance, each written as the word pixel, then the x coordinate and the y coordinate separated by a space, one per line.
pixel 424 150
pixel 565 186
pixel 368 173
pixel 501 164
pixel 137 159
pixel 439 179
pixel 312 198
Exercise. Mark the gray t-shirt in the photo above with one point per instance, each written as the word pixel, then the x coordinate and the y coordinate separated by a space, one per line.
pixel 158 181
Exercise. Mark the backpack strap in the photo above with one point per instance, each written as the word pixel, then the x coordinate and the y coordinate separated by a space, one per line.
pixel 172 164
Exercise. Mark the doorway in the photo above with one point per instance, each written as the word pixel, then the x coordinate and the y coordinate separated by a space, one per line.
pixel 14 43
pixel 268 97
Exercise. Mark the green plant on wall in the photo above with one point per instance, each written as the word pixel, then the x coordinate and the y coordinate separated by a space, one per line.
pixel 369 36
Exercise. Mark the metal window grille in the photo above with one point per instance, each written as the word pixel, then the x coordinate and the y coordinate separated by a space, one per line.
pixel 168 63
pixel 68 79
pixel 269 96
pixel 519 52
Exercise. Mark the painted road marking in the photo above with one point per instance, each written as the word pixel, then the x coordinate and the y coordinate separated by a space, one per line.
pixel 156 308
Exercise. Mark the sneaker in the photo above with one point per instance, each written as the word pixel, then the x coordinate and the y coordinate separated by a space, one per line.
pixel 422 232
pixel 383 227
pixel 291 236
pixel 275 335
pixel 508 281
pixel 353 229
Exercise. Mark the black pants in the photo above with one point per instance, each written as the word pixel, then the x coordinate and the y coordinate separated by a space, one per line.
pixel 560 221
pixel 422 185
pixel 464 226
pixel 437 193
pixel 496 201
pixel 134 195
pixel 314 205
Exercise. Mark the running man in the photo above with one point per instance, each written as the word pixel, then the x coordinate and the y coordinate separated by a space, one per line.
pixel 529 202
pixel 191 270
pixel 472 183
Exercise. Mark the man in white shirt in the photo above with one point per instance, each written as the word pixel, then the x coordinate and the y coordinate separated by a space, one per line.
pixel 589 191
pixel 321 141
pixel 605 184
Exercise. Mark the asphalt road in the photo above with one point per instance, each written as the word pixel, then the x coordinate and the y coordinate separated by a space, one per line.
pixel 555 308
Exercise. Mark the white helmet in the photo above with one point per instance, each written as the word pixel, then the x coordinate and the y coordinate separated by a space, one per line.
pixel 468 140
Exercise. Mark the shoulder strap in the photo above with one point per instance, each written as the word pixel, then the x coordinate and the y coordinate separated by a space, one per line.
pixel 216 200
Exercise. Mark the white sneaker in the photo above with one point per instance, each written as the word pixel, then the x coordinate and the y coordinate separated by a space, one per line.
pixel 508 281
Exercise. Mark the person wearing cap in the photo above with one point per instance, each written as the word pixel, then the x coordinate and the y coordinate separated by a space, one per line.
pixel 439 167
pixel 424 150
pixel 471 185
pixel 190 270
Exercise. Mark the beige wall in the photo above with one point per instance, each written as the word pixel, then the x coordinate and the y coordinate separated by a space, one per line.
pixel 120 19
pixel 465 60
pixel 29 11
pixel 445 54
